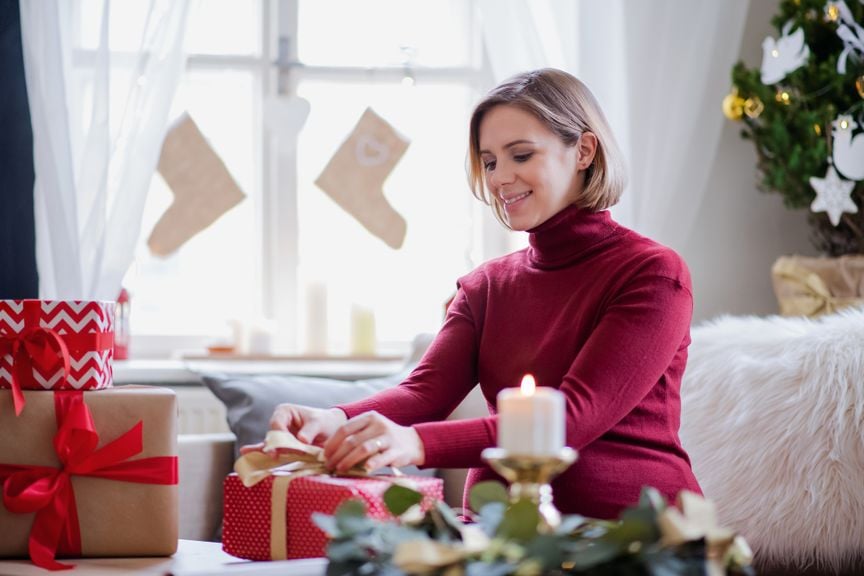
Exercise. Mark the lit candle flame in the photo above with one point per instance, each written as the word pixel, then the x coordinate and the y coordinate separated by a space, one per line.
pixel 528 385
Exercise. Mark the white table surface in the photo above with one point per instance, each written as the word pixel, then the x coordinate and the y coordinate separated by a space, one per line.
pixel 193 558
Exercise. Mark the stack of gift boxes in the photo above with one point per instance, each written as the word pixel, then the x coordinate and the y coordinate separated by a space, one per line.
pixel 86 469
pixel 89 470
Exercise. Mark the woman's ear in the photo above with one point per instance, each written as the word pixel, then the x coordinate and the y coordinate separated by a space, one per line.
pixel 587 145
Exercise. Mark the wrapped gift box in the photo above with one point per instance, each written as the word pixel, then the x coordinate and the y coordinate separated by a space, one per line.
pixel 123 483
pixel 270 518
pixel 31 328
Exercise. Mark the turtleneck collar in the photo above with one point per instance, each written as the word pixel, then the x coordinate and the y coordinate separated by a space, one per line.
pixel 568 235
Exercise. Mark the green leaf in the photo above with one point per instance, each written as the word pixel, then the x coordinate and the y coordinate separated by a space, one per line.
pixel 485 492
pixel 448 515
pixel 569 524
pixel 489 569
pixel 593 554
pixel 546 548
pixel 490 517
pixel 637 525
pixel 520 522
pixel 351 507
pixel 399 499
pixel 326 523
pixel 651 498
pixel 346 551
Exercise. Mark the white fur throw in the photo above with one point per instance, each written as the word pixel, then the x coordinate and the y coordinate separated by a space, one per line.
pixel 773 420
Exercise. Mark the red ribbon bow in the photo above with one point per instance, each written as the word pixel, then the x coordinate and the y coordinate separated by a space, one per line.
pixel 47 491
pixel 41 347
pixel 44 349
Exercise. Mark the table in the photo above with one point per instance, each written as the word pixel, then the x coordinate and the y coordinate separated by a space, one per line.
pixel 193 558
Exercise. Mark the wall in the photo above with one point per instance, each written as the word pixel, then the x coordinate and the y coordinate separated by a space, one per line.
pixel 740 230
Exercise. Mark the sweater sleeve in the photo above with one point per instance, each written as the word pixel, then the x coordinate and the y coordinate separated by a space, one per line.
pixel 633 345
pixel 445 375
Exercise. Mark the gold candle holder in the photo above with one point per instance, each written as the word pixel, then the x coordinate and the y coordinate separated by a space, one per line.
pixel 529 477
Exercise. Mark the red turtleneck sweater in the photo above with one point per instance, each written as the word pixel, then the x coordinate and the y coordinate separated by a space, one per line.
pixel 591 308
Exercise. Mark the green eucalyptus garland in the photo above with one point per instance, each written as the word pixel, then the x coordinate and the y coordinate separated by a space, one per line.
pixel 504 539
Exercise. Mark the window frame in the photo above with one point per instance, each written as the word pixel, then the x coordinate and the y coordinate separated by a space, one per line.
pixel 278 73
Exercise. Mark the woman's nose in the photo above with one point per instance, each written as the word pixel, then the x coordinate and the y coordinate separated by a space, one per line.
pixel 502 175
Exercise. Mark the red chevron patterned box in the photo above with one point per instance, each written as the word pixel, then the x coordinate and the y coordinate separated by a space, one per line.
pixel 56 344
pixel 272 520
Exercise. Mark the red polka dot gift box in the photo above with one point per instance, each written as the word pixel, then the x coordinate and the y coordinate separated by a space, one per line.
pixel 55 345
pixel 272 520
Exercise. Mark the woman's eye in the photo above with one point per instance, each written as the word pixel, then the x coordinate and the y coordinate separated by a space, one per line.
pixel 489 165
pixel 523 157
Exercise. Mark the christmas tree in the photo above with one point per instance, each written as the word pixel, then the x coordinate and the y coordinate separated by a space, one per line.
pixel 804 111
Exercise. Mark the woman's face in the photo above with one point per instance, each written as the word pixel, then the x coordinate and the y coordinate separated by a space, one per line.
pixel 529 170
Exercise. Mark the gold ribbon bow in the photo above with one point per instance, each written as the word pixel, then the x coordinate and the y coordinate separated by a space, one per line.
pixel 286 458
pixel 810 295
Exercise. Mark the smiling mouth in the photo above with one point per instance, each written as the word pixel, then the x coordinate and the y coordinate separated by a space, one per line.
pixel 511 201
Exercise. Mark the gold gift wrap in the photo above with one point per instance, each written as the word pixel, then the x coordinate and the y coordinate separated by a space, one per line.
pixel 116 518
pixel 807 286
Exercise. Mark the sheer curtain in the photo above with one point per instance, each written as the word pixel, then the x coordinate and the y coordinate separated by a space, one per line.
pixel 93 164
pixel 659 70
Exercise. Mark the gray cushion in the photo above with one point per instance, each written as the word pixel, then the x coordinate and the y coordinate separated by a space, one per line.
pixel 250 399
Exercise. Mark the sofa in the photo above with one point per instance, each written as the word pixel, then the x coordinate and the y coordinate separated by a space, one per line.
pixel 772 417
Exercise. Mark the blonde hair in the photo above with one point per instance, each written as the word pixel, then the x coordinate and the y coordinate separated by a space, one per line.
pixel 568 108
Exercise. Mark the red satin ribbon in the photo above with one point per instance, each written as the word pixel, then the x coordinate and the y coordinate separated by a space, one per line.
pixel 45 349
pixel 47 491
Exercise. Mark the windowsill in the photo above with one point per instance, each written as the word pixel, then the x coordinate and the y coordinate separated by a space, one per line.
pixel 185 371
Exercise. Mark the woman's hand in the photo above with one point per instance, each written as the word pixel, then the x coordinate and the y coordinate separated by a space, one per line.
pixel 310 425
pixel 377 438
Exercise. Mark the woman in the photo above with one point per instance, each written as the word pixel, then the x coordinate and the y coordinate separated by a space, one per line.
pixel 590 307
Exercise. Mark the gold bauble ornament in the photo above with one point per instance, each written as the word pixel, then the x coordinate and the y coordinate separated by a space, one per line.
pixel 753 107
pixel 859 85
pixel 783 96
pixel 832 12
pixel 733 105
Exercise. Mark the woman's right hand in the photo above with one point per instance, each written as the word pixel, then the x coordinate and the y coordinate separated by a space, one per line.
pixel 310 425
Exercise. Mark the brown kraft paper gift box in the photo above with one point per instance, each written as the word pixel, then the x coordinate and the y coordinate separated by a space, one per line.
pixel 116 518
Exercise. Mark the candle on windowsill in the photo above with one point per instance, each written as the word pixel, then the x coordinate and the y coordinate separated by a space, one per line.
pixel 531 419
pixel 363 340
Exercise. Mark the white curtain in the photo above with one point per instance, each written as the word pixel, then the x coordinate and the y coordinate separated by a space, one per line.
pixel 659 69
pixel 93 162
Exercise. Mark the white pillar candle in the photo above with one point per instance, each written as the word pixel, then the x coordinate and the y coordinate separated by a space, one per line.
pixel 363 338
pixel 531 419
pixel 316 318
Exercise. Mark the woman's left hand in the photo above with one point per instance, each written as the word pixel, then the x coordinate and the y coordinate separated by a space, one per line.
pixel 376 438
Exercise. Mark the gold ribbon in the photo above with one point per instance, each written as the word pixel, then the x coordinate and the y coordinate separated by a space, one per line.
pixel 286 458
pixel 811 296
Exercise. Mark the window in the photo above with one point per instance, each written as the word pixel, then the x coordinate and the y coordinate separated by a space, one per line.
pixel 416 63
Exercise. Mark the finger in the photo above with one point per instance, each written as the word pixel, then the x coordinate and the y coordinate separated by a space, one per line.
pixel 386 458
pixel 350 428
pixel 252 448
pixel 282 419
pixel 309 432
pixel 362 450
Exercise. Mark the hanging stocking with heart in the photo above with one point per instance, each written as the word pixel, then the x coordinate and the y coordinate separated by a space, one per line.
pixel 354 177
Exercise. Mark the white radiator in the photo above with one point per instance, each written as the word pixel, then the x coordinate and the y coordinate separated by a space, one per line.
pixel 200 411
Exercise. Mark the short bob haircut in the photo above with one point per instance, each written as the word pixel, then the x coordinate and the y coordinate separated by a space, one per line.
pixel 566 106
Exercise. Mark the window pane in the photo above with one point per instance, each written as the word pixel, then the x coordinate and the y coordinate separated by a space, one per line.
pixel 215 276
pixel 213 26
pixel 384 32
pixel 406 288
pixel 224 27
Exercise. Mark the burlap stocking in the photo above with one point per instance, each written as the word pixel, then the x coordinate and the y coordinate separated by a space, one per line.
pixel 203 188
pixel 355 175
